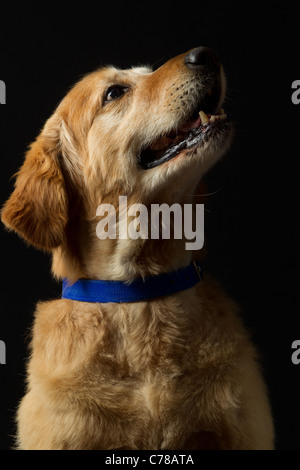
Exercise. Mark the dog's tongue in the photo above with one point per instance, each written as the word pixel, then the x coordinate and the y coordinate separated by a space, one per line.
pixel 166 141
pixel 189 125
pixel 176 136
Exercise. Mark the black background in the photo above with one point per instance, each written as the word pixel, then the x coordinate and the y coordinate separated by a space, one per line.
pixel 252 221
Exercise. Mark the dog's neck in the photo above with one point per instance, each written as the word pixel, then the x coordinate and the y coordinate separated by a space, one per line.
pixel 121 260
pixel 88 257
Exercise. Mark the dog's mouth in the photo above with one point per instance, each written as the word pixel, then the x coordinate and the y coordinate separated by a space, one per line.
pixel 206 120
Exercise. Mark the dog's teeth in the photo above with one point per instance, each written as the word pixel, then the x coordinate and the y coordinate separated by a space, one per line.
pixel 221 111
pixel 213 118
pixel 204 118
pixel 218 117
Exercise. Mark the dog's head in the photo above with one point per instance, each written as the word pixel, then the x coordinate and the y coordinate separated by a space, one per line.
pixel 149 135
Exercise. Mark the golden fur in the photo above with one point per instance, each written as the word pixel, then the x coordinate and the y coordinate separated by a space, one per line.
pixel 176 372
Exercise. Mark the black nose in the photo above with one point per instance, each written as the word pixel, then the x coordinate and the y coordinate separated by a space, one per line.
pixel 202 56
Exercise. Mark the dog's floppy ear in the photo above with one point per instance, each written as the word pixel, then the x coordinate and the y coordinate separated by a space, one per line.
pixel 38 208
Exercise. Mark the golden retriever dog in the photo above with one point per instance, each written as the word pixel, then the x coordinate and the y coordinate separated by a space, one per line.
pixel 175 371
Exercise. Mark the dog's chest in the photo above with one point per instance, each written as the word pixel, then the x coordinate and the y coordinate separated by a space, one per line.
pixel 157 383
pixel 156 409
pixel 153 376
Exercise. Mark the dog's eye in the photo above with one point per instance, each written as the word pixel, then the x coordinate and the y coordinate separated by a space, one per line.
pixel 114 92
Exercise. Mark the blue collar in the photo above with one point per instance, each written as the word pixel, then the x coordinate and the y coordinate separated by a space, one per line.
pixel 140 289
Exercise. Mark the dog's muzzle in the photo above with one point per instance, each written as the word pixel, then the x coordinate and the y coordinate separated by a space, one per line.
pixel 205 120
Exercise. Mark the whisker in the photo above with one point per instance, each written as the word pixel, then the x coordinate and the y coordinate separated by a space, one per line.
pixel 207 194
